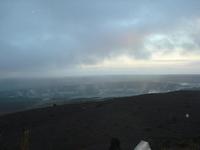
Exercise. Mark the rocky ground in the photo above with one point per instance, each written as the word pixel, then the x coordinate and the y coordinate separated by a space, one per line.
pixel 166 121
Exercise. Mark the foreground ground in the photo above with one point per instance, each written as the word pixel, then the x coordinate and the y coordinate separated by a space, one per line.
pixel 164 120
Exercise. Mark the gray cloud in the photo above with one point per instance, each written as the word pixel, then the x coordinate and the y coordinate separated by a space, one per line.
pixel 40 35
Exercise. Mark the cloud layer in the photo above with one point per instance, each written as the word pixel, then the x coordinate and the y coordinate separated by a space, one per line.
pixel 57 36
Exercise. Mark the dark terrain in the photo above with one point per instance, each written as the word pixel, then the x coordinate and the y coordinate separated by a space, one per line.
pixel 159 119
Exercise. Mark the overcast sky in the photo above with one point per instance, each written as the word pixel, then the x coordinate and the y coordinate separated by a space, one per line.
pixel 86 37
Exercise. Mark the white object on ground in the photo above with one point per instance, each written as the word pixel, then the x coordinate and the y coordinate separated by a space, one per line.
pixel 143 145
pixel 187 115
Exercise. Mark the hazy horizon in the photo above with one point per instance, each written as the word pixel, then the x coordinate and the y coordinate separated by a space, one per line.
pixel 26 93
pixel 35 77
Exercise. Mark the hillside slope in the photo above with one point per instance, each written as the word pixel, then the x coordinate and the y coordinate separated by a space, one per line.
pixel 156 118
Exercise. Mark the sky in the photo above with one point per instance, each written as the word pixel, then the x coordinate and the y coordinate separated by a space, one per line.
pixel 48 38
